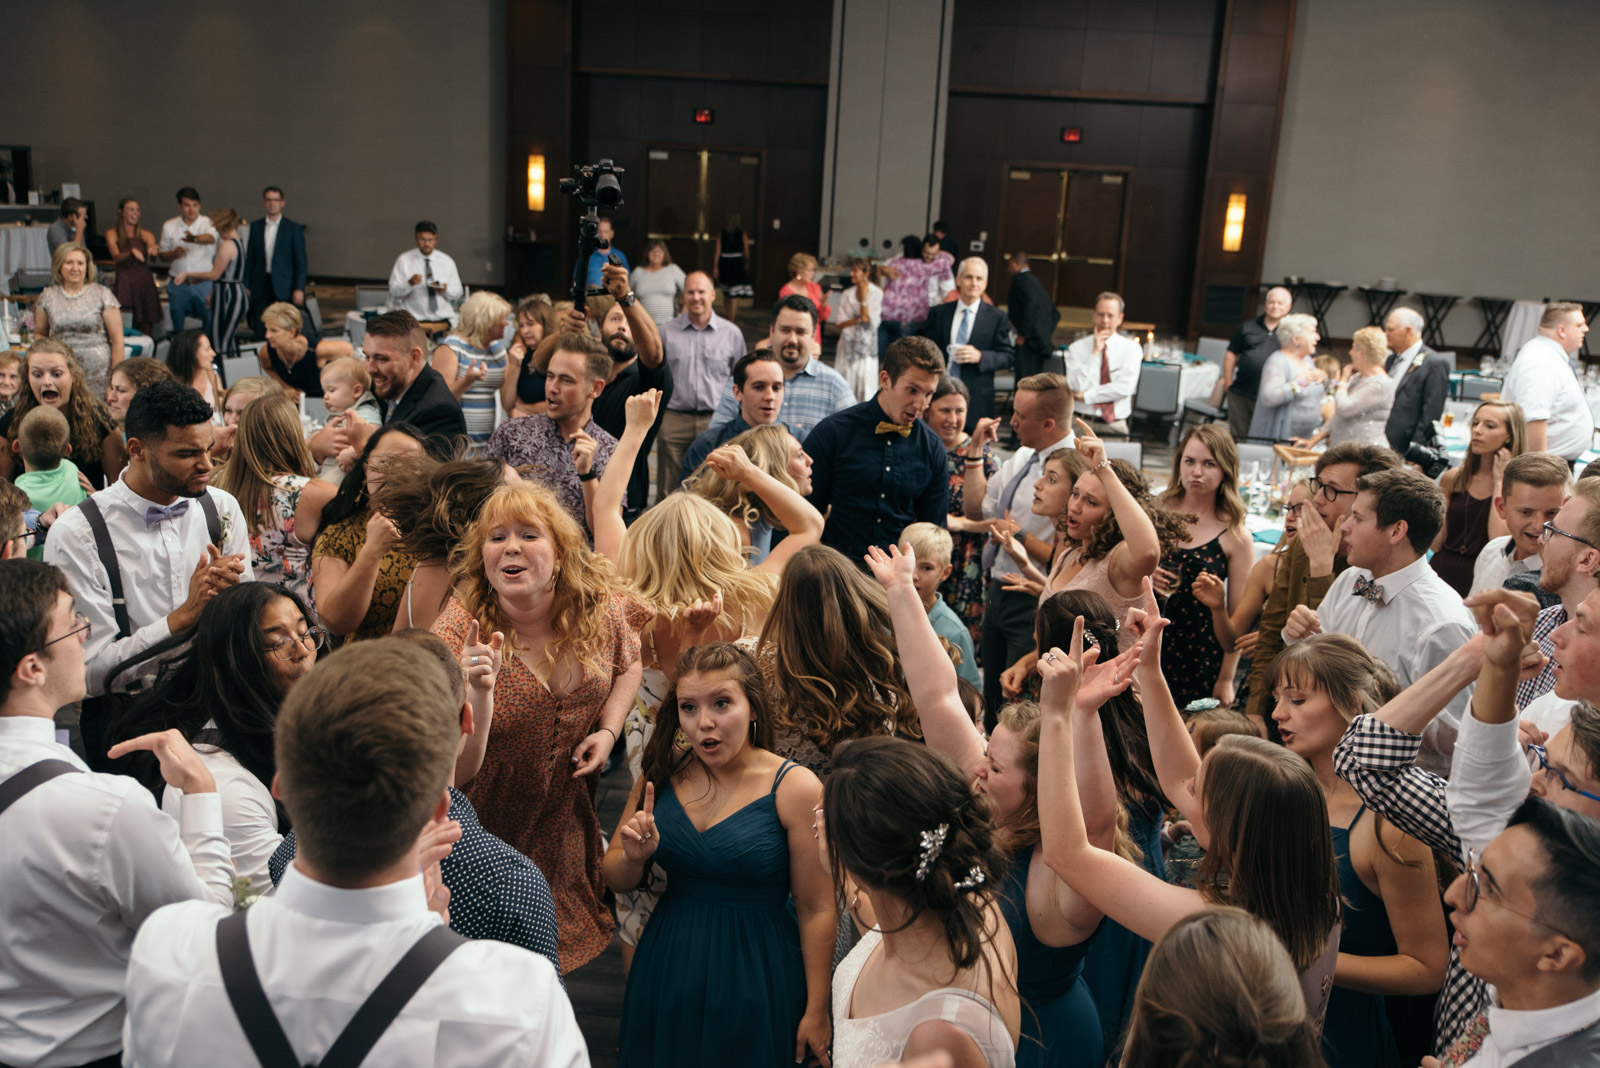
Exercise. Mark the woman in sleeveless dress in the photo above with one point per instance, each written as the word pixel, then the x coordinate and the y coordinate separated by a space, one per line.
pixel 1051 925
pixel 472 360
pixel 1258 810
pixel 1204 484
pixel 81 313
pixel 229 297
pixel 1499 435
pixel 860 311
pixel 133 250
pixel 192 361
pixel 1394 940
pixel 731 272
pixel 725 964
pixel 914 853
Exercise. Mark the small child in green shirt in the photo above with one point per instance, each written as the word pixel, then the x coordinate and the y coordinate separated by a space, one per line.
pixel 44 440
pixel 933 547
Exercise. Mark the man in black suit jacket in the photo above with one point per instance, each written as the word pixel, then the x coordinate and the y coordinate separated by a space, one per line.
pixel 975 337
pixel 286 280
pixel 1033 313
pixel 1422 382
pixel 408 390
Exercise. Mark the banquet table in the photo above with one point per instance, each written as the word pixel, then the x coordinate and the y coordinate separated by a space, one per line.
pixel 22 247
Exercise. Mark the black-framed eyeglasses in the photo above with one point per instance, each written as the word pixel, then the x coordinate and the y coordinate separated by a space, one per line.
pixel 83 627
pixel 1329 492
pixel 1293 509
pixel 1550 530
pixel 1539 760
pixel 1471 897
pixel 284 648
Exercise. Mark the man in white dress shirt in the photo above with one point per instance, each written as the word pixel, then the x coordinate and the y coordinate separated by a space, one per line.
pixel 424 280
pixel 1532 491
pixel 87 856
pixel 1104 369
pixel 1389 599
pixel 366 743
pixel 1041 416
pixel 1542 381
pixel 188 245
pixel 171 558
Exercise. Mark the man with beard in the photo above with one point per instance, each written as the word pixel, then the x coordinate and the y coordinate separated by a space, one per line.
pixel 1571 559
pixel 701 349
pixel 812 390
pixel 140 561
pixel 758 387
pixel 409 390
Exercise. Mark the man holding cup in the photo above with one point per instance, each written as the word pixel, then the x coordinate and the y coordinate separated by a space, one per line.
pixel 974 336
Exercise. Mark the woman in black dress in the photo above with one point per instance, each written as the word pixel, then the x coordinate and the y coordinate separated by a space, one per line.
pixel 732 269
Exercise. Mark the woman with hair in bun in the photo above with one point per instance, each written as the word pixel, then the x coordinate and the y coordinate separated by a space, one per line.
pixel 914 854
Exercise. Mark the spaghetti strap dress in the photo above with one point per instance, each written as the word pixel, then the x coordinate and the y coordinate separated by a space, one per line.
pixel 718 967
pixel 1466 532
pixel 1191 654
pixel 1060 1027
pixel 1357 1030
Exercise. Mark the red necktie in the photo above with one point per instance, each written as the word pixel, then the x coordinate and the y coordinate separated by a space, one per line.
pixel 1107 411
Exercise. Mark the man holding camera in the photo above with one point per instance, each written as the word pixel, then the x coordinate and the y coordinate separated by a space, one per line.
pixel 1422 382
pixel 599 257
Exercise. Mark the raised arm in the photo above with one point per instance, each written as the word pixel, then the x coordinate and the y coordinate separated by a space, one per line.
pixel 792 511
pixel 975 480
pixel 613 489
pixel 646 338
pixel 1171 749
pixel 1138 555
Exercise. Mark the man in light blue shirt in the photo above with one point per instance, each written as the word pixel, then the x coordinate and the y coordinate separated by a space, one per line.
pixel 597 258
pixel 812 390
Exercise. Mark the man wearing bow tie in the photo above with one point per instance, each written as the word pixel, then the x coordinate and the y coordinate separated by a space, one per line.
pixel 878 464
pixel 1390 600
pixel 174 540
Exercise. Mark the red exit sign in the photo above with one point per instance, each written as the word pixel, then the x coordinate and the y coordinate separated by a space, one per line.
pixel 705 116
pixel 1071 135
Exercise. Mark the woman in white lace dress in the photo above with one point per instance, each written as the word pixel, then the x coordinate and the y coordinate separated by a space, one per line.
pixel 860 311
pixel 913 853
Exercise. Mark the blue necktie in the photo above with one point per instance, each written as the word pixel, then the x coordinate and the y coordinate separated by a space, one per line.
pixel 990 549
pixel 154 514
pixel 963 331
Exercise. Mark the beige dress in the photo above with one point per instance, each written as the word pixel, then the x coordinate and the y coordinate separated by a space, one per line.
pixel 1094 577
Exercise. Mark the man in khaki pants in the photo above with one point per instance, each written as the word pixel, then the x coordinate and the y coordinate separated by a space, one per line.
pixel 701 349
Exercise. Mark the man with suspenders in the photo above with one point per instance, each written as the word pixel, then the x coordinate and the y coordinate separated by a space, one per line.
pixel 345 964
pixel 140 561
pixel 84 857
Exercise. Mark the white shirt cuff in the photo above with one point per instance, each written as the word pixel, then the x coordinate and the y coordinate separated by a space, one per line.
pixel 200 813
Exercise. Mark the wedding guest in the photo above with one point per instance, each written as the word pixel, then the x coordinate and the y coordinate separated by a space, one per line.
pixel 731 268
pixel 229 297
pixel 812 390
pixel 133 249
pixel 728 486
pixel 290 338
pixel 472 360
pixel 658 283
pixel 54 379
pixel 11 379
pixel 1533 488
pixel 803 283
pixel 860 311
pixel 408 390
pixel 82 314
pixel 193 361
pixel 701 348
pixel 1362 395
pixel 1289 404
pixel 758 385
pixel 239 396
pixel 947 415
pixel 932 547
pixel 1104 368
pixel 1543 382
pixel 276 260
pixel 1498 435
pixel 522 389
pixel 974 334
pixel 128 378
pixel 425 282
pixel 188 244
pixel 71 226
pixel 921 263
pixel 1422 381
pixel 1248 352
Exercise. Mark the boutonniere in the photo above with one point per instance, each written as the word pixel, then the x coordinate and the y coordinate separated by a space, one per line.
pixel 243 896
pixel 227 528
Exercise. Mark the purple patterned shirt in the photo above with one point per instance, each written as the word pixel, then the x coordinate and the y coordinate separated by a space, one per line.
pixel 905 300
pixel 535 441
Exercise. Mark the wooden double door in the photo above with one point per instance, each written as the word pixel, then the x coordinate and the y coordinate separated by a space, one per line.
pixel 692 193
pixel 1071 225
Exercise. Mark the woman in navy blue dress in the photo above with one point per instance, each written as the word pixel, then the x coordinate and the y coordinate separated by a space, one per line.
pixel 726 963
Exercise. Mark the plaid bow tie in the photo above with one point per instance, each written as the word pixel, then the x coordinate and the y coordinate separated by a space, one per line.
pixel 894 428
pixel 1372 591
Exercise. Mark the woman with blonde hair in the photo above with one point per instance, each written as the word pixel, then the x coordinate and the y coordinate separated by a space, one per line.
pixel 229 297
pixel 473 360
pixel 270 472
pixel 1499 435
pixel 776 453
pixel 1205 485
pixel 238 397
pixel 81 313
pixel 526 579
pixel 1362 396
pixel 1394 940
pixel 803 282
pixel 1220 988
pixel 289 342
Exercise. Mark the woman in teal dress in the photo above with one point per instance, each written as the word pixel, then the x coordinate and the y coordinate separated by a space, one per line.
pixel 726 963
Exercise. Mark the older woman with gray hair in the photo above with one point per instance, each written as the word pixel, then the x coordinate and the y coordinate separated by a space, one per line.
pixel 1362 396
pixel 1290 402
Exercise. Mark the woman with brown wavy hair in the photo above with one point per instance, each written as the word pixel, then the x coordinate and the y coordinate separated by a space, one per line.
pixel 527 581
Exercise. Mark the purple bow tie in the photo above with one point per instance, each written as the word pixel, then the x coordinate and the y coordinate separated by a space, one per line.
pixel 154 514
pixel 1372 591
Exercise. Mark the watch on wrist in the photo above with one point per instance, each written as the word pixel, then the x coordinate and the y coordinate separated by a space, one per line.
pixel 629 300
pixel 590 476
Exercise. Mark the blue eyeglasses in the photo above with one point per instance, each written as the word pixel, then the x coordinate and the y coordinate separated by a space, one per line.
pixel 1539 760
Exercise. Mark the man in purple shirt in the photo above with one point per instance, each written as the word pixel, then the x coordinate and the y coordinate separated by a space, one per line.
pixel 701 349
pixel 563 445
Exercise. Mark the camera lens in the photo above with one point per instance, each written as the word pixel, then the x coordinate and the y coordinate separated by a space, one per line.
pixel 607 190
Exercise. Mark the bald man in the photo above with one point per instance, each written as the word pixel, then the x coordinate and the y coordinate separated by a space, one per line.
pixel 974 337
pixel 1247 354
pixel 701 349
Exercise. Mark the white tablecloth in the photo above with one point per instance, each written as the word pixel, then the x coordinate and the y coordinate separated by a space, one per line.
pixel 1197 381
pixel 1521 325
pixel 22 247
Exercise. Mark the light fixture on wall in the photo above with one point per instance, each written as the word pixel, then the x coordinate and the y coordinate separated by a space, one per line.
pixel 1233 223
pixel 535 183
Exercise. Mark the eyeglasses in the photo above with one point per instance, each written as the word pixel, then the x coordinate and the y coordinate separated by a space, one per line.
pixel 1539 761
pixel 284 648
pixel 83 627
pixel 1550 529
pixel 1470 898
pixel 1329 492
pixel 1293 509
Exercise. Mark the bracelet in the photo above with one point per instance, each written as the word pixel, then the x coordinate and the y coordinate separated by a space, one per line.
pixel 608 730
pixel 973 461
pixel 1098 466
pixel 590 477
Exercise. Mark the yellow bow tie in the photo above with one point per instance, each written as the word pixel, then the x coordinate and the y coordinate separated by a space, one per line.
pixel 893 428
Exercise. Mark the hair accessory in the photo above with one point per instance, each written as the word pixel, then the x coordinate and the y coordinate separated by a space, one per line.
pixel 932 846
pixel 974 878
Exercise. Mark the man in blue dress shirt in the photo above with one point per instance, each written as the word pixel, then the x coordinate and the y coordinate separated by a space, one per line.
pixel 878 464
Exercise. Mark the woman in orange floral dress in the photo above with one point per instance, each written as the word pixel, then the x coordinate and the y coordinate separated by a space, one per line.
pixel 526 577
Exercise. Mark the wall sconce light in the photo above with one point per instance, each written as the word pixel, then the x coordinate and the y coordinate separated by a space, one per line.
pixel 1233 223
pixel 535 183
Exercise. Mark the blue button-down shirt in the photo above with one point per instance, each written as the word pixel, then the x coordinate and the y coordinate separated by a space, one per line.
pixel 810 395
pixel 878 484
pixel 701 359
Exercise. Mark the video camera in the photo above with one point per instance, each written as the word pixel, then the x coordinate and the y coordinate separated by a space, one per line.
pixel 596 185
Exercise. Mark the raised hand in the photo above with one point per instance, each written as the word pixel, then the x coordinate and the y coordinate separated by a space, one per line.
pixel 1091 448
pixel 615 280
pixel 1507 618
pixel 583 450
pixel 1208 589
pixel 732 463
pixel 1062 673
pixel 1319 540
pixel 573 322
pixel 892 568
pixel 1303 622
pixel 986 432
pixel 181 766
pixel 381 533
pixel 1102 682
pixel 480 663
pixel 702 616
pixel 639 838
pixel 641 409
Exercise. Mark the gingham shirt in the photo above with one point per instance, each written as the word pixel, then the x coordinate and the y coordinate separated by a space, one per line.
pixel 1379 762
pixel 1544 628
